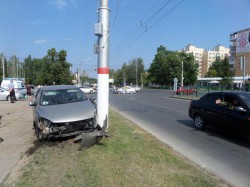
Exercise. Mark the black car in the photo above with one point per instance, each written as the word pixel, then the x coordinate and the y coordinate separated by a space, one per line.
pixel 227 110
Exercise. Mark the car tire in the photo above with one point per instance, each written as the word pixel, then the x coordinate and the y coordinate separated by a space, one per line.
pixel 38 134
pixel 8 98
pixel 199 122
pixel 248 137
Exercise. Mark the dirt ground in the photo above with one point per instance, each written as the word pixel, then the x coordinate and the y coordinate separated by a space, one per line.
pixel 16 137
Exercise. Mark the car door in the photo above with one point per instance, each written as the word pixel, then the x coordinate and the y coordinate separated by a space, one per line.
pixel 237 121
pixel 212 112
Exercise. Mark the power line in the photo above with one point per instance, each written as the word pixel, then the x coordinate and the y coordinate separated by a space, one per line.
pixel 136 27
pixel 152 25
pixel 116 12
pixel 166 14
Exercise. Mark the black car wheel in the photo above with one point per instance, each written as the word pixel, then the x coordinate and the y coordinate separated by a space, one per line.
pixel 38 134
pixel 199 122
pixel 8 98
pixel 248 137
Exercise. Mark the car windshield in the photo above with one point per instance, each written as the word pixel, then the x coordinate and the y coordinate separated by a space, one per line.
pixel 246 99
pixel 20 85
pixel 62 96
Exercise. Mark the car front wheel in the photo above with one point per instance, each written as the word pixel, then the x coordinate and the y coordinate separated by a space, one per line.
pixel 248 137
pixel 38 134
pixel 199 122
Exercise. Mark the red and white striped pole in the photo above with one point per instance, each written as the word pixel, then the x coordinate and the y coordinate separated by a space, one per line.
pixel 102 30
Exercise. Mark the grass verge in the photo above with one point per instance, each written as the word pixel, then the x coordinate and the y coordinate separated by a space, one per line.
pixel 130 157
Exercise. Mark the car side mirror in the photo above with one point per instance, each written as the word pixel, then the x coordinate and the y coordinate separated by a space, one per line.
pixel 92 99
pixel 240 109
pixel 33 103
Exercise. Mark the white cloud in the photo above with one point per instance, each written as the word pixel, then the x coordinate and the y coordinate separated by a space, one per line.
pixel 66 39
pixel 36 22
pixel 42 41
pixel 60 4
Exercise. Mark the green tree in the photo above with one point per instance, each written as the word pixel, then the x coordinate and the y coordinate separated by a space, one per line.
pixel 53 68
pixel 221 68
pixel 128 71
pixel 168 64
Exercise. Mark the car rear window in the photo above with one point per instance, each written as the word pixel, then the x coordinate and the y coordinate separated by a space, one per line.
pixel 210 99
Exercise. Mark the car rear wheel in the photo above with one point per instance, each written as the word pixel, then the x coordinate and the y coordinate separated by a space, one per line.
pixel 8 98
pixel 199 122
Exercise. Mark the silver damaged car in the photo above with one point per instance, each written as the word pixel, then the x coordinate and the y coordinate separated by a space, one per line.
pixel 62 110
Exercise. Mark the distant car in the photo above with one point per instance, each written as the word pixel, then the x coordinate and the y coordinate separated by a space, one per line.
pixel 87 89
pixel 126 90
pixel 5 95
pixel 60 111
pixel 185 90
pixel 19 86
pixel 226 110
pixel 137 88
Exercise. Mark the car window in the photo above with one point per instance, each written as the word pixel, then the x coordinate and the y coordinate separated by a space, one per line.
pixel 62 96
pixel 246 99
pixel 210 100
pixel 231 101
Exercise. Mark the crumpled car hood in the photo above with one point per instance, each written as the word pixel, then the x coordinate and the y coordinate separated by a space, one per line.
pixel 67 112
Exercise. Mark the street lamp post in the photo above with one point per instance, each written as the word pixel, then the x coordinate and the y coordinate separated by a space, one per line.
pixel 243 63
pixel 136 70
pixel 2 58
pixel 182 73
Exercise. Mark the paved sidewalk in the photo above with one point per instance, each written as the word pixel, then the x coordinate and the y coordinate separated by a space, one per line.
pixel 16 132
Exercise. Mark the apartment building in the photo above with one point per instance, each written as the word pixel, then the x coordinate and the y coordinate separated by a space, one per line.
pixel 210 56
pixel 205 58
pixel 240 52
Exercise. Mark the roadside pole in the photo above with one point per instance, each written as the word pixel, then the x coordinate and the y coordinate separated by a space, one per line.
pixel 2 58
pixel 102 31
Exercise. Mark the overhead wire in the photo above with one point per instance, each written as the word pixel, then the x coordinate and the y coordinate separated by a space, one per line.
pixel 117 8
pixel 139 35
pixel 136 27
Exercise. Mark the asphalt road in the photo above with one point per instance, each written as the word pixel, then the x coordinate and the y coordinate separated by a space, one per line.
pixel 167 119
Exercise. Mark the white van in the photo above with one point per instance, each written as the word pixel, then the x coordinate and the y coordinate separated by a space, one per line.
pixel 18 85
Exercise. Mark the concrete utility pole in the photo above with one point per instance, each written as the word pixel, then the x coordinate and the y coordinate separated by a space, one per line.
pixel 102 31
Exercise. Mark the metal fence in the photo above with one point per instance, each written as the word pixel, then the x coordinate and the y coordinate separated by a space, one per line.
pixel 202 90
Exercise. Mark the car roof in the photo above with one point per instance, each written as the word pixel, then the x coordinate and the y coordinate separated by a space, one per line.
pixel 230 93
pixel 59 87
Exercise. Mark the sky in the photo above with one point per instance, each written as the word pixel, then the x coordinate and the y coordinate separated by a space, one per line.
pixel 137 28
